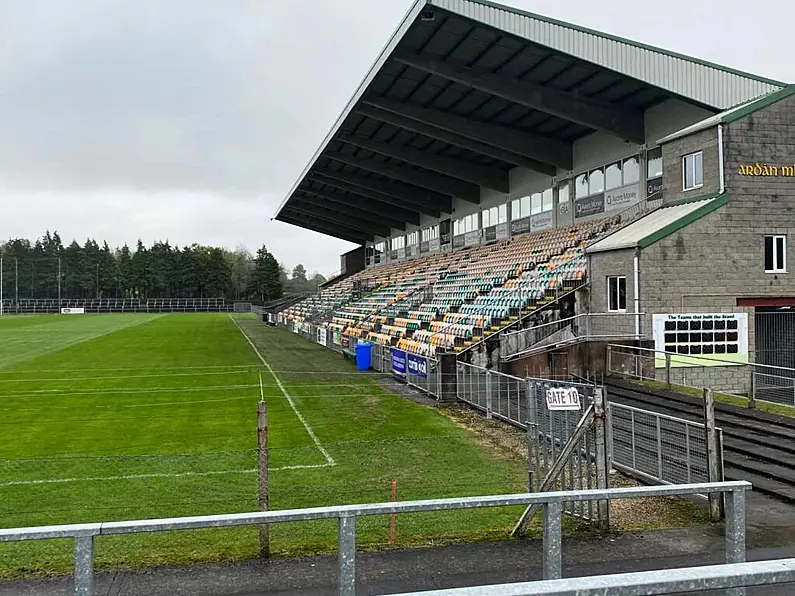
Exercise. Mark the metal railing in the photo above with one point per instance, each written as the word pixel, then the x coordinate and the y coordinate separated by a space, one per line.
pixel 499 395
pixel 733 577
pixel 425 376
pixel 649 446
pixel 555 296
pixel 762 382
pixel 658 448
pixel 583 327
pixel 551 502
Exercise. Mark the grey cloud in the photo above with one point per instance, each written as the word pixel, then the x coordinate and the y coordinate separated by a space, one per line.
pixel 190 120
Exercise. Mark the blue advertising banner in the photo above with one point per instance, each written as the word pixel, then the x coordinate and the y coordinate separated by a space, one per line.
pixel 418 366
pixel 399 363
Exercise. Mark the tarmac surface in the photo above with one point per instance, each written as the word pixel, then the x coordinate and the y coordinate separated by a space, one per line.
pixel 770 535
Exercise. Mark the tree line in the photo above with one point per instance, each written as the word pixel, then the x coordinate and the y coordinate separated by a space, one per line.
pixel 48 268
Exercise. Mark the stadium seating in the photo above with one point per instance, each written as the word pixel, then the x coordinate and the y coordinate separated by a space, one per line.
pixel 450 300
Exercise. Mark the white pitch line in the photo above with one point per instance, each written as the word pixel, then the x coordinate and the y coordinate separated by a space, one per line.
pixel 329 460
pixel 156 475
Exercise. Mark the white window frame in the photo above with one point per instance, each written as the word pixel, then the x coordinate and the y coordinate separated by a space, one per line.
pixel 777 267
pixel 685 158
pixel 617 279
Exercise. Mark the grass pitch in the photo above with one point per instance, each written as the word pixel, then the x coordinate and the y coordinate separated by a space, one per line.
pixel 111 417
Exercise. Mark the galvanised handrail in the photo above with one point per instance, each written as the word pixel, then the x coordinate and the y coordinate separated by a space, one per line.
pixel 732 577
pixel 552 503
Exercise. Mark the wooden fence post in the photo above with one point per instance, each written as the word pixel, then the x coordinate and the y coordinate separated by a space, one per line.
pixel 713 455
pixel 262 468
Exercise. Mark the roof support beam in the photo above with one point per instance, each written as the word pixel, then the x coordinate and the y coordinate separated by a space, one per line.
pixel 545 154
pixel 621 122
pixel 436 182
pixel 404 195
pixel 308 208
pixel 359 198
pixel 329 227
pixel 342 204
pixel 301 222
pixel 476 174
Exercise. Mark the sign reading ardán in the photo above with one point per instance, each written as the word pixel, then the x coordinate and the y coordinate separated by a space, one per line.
pixel 758 169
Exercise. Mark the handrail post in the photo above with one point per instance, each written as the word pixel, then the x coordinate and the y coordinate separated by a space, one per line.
pixel 84 565
pixel 346 541
pixel 735 532
pixel 489 397
pixel 552 541
pixel 667 371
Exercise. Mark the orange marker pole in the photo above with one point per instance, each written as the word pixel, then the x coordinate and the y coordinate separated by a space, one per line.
pixel 392 521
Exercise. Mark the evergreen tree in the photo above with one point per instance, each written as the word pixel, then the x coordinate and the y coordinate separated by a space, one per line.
pixel 264 283
pixel 95 270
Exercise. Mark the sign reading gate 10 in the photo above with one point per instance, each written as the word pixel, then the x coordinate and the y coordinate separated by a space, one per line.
pixel 563 398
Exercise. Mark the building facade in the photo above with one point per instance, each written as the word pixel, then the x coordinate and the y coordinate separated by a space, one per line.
pixel 718 245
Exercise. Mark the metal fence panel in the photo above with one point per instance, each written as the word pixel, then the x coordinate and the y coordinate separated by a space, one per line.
pixel 763 382
pixel 522 403
pixel 549 431
pixel 658 448
pixel 428 380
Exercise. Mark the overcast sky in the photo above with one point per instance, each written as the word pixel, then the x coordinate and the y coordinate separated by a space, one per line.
pixel 189 120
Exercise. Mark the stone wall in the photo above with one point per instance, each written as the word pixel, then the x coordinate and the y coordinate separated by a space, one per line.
pixel 705 141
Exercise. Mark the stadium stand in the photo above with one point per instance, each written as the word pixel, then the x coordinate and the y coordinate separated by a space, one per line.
pixel 449 301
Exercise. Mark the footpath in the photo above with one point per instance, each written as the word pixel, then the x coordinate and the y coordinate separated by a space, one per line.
pixel 770 535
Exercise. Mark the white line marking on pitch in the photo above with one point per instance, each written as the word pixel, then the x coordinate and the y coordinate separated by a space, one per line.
pixel 157 475
pixel 329 460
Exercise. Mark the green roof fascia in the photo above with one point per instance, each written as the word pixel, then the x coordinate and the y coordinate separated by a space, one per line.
pixel 626 41
pixel 758 104
pixel 715 203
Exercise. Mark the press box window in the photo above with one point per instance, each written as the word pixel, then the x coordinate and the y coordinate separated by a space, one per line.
pixel 617 294
pixel 775 254
pixel 692 171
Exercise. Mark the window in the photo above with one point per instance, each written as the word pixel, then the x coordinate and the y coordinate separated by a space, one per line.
pixel 614 175
pixel 581 186
pixel 494 215
pixel 596 181
pixel 613 178
pixel 563 192
pixel 520 208
pixel 547 200
pixel 654 163
pixel 398 242
pixel 413 238
pixel 692 174
pixel 429 234
pixel 631 170
pixel 616 293
pixel 775 254
pixel 466 224
pixel 380 247
pixel 535 203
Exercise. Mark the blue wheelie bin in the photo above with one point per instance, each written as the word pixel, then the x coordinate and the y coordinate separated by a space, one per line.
pixel 363 356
